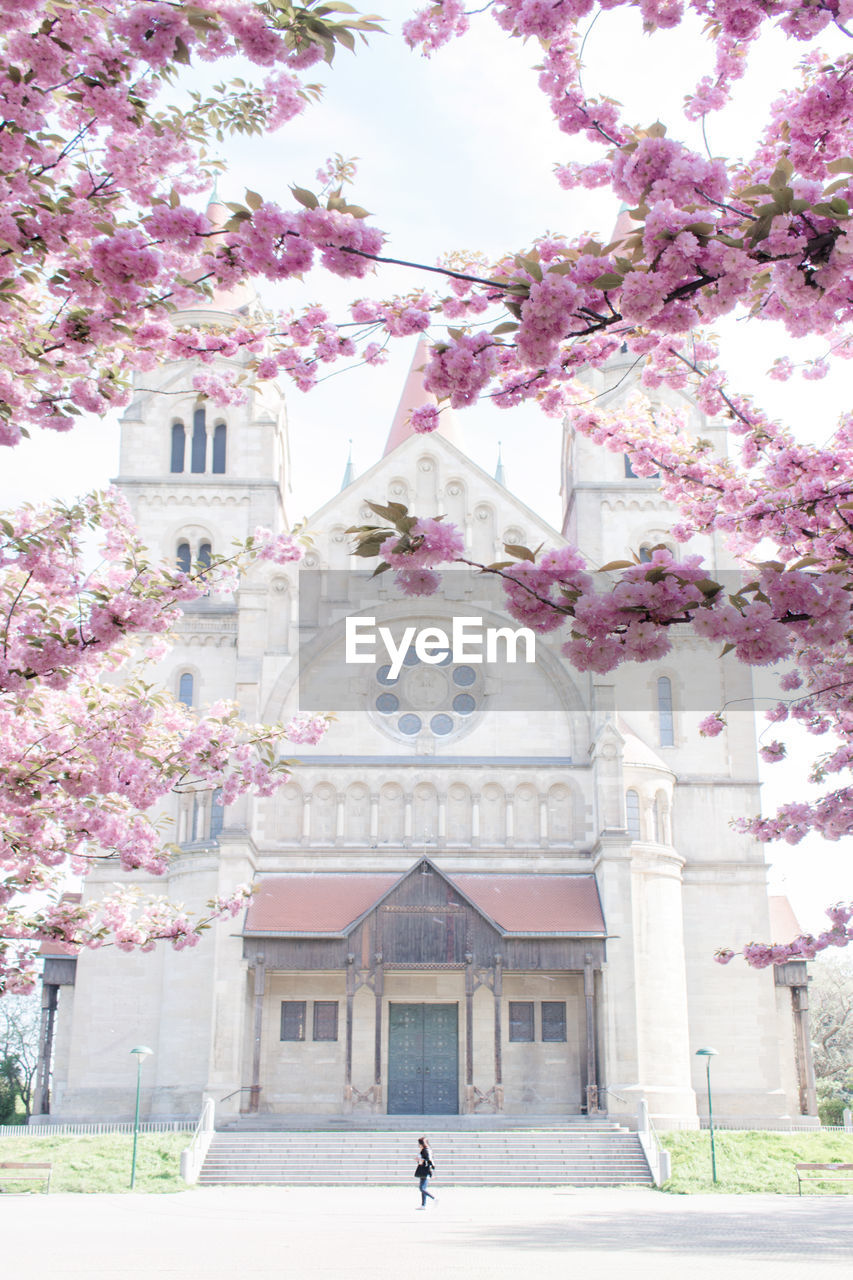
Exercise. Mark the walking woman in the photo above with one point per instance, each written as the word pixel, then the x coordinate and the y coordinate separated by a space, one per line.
pixel 424 1171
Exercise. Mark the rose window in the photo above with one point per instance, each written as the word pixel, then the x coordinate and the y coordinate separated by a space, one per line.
pixel 426 699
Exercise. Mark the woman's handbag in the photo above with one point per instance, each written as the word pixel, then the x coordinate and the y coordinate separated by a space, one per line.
pixel 422 1170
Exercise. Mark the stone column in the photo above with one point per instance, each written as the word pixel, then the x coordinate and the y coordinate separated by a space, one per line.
pixel 805 1061
pixel 591 1032
pixel 469 1034
pixel 378 988
pixel 499 1085
pixel 41 1096
pixel 350 976
pixel 259 971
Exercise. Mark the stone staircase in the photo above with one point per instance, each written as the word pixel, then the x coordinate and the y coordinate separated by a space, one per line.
pixel 589 1154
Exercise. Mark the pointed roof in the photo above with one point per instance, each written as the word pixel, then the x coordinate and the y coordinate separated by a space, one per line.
pixel 500 473
pixel 624 225
pixel 414 396
pixel 349 472
pixel 227 301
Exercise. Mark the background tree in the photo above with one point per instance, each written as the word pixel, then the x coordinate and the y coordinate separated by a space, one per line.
pixel 99 163
pixel 20 1018
pixel 831 1019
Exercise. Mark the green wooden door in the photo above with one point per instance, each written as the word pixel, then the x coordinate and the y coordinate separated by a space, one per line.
pixel 423 1055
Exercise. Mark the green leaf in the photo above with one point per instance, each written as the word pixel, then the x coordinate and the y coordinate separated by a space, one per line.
pixel 520 553
pixel 609 280
pixel 507 327
pixel 306 198
pixel 616 564
pixel 843 165
pixel 253 200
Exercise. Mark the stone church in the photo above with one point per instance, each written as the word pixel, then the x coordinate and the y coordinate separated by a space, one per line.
pixel 460 906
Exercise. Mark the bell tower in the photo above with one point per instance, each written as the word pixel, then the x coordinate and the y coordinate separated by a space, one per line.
pixel 198 474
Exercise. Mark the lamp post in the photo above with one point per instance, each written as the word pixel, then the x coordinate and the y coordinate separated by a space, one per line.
pixel 140 1052
pixel 708 1054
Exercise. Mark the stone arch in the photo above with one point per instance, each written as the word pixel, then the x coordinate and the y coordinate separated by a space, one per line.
pixel 279 606
pixel 391 814
pixel 398 491
pixel 526 805
pixel 357 814
pixel 459 810
pixel 560 809
pixel 424 814
pixel 323 814
pixel 339 551
pixel 660 815
pixel 427 484
pixel 287 810
pixel 492 814
pixel 483 533
pixel 456 501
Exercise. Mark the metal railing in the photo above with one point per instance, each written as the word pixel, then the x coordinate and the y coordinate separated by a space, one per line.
pixel 192 1157
pixel 71 1129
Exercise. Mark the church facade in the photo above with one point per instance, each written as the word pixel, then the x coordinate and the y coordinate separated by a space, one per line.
pixel 461 906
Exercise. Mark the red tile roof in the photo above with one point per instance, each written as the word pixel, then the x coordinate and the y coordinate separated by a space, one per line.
pixel 536 903
pixel 327 902
pixel 322 903
pixel 784 926
pixel 50 949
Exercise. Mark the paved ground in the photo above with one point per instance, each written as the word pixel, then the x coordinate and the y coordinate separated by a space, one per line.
pixel 379 1234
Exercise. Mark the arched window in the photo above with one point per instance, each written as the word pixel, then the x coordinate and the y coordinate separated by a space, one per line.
pixel 184 557
pixel 185 689
pixel 661 835
pixel 204 553
pixel 199 445
pixel 217 814
pixel 632 814
pixel 219 436
pixel 178 447
pixel 645 555
pixel 665 724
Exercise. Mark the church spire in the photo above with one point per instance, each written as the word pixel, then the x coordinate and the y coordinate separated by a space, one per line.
pixel 349 473
pixel 414 396
pixel 500 473
pixel 227 301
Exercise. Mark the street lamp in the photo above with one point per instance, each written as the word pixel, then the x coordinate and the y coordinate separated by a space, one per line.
pixel 708 1054
pixel 141 1052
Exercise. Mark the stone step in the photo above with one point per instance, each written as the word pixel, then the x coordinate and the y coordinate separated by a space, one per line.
pixel 573 1158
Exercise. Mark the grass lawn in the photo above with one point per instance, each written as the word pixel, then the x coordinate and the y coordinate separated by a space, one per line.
pixel 101 1162
pixel 748 1161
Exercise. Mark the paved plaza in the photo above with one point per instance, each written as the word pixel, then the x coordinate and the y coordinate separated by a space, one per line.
pixel 378 1233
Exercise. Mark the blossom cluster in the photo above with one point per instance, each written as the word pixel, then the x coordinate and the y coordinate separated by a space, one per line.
pixel 89 759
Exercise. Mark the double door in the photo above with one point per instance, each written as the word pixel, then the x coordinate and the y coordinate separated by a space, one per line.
pixel 423 1059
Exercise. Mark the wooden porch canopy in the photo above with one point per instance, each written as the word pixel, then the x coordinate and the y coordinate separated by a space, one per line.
pixel 425 918
pixel 481 924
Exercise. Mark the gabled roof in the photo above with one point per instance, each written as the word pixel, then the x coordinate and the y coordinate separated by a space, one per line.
pixel 390 464
pixel 332 904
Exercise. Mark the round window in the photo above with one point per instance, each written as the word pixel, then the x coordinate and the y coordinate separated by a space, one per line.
pixel 464 676
pixel 409 724
pixel 441 724
pixel 387 702
pixel 463 704
pixel 383 675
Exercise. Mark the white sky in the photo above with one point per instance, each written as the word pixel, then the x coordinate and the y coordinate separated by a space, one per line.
pixel 458 152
